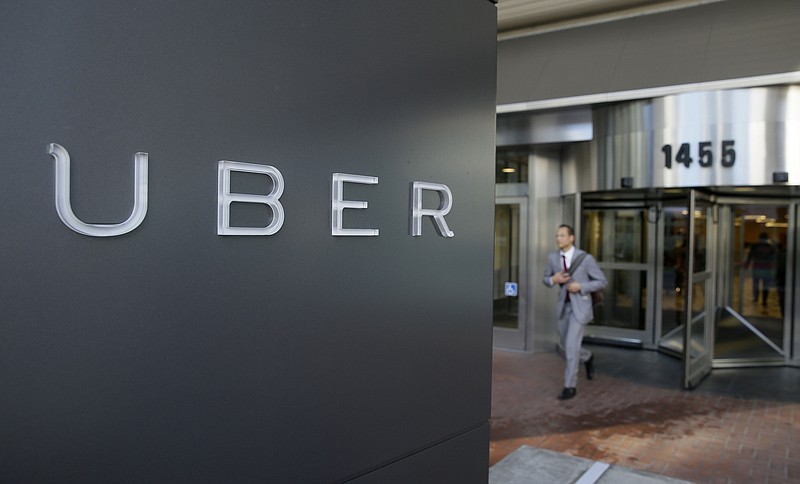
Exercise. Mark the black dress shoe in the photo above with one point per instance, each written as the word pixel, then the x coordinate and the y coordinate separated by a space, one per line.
pixel 567 393
pixel 590 367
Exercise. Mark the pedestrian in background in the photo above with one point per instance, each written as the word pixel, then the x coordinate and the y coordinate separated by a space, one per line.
pixel 578 276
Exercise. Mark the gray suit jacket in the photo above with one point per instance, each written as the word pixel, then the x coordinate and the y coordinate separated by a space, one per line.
pixel 588 275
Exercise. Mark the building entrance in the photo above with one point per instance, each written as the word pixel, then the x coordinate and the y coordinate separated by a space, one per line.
pixel 690 270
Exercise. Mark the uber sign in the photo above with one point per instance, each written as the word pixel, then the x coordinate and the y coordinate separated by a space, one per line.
pixel 220 222
pixel 225 197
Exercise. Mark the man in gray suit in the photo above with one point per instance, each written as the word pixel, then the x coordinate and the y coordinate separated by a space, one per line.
pixel 574 306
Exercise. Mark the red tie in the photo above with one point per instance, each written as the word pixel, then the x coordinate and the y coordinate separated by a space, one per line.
pixel 564 260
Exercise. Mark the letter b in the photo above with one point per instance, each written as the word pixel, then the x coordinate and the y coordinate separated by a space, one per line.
pixel 225 198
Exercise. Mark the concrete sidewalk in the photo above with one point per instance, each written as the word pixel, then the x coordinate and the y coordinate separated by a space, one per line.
pixel 529 465
pixel 739 426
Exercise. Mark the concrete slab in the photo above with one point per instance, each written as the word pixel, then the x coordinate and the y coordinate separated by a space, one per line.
pixel 623 475
pixel 529 465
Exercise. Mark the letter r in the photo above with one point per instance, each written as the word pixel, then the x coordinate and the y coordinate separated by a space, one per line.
pixel 417 212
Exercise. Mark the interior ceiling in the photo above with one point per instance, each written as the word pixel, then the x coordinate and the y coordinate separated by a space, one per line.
pixel 536 14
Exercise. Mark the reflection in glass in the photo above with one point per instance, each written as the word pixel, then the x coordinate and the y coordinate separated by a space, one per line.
pixel 619 236
pixel 700 238
pixel 625 300
pixel 506 264
pixel 674 281
pixel 698 340
pixel 615 235
pixel 511 166
pixel 698 298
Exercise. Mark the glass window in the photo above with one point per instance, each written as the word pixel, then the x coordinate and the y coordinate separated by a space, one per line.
pixel 615 235
pixel 625 301
pixel 674 277
pixel 699 340
pixel 511 167
pixel 700 238
pixel 506 265
pixel 698 299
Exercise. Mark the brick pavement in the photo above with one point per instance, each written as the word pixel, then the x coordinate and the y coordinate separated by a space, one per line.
pixel 699 436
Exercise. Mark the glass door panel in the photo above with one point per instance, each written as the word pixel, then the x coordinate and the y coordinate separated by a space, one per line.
pixel 506 266
pixel 697 355
pixel 751 322
pixel 674 279
pixel 618 239
pixel 625 304
pixel 509 273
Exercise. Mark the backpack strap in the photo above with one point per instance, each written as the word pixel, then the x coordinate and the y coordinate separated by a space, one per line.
pixel 576 263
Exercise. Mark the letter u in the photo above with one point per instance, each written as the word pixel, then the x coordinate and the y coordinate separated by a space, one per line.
pixel 64 206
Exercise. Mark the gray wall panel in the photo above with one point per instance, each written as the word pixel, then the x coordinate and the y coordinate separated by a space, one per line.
pixel 453 452
pixel 722 40
pixel 171 353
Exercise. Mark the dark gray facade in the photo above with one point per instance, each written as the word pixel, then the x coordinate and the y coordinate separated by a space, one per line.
pixel 171 353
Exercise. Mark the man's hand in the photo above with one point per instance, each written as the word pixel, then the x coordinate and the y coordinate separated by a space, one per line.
pixel 574 286
pixel 561 277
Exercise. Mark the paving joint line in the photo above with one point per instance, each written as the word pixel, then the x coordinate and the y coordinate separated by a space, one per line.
pixel 593 473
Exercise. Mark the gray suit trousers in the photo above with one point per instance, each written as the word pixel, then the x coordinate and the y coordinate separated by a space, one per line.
pixel 570 330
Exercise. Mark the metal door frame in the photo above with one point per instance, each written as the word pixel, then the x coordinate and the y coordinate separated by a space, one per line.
pixel 696 368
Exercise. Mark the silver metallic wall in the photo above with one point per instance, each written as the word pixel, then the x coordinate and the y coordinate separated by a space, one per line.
pixel 732 137
pixel 742 137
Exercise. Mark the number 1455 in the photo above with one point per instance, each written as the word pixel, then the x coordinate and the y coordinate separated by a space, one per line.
pixel 705 155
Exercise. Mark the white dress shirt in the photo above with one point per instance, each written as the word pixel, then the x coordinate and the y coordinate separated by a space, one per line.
pixel 568 256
